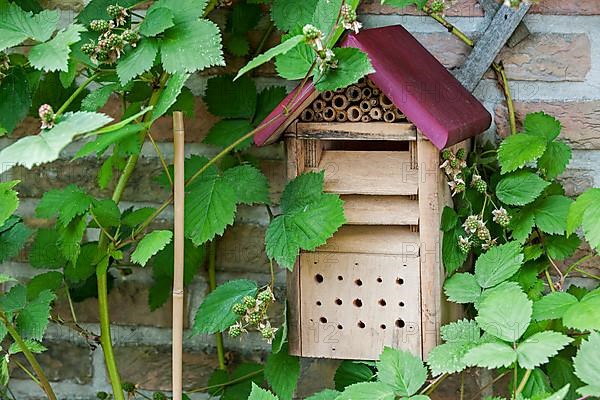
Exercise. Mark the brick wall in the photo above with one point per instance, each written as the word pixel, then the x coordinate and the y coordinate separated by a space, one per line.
pixel 556 69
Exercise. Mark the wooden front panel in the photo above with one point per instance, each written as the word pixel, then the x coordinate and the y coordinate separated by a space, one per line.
pixel 352 304
pixel 380 210
pixel 392 240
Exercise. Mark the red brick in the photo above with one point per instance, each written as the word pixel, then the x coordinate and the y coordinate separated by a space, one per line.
pixel 461 8
pixel 567 7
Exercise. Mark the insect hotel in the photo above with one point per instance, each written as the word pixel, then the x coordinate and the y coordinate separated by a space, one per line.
pixel 378 281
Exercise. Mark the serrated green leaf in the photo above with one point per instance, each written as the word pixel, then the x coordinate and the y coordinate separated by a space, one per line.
pixel 9 201
pixel 326 15
pixel 215 313
pixel 251 185
pixel 537 349
pixel 577 209
pixel 586 365
pixel 169 95
pixel 521 223
pixel 191 46
pixel 237 44
pixel 104 141
pixel 70 237
pixel 33 319
pixel 498 264
pixel 561 394
pixel 296 62
pixel 591 228
pixel 327 394
pixel 561 372
pixel 17 25
pixel 46 146
pixel 462 331
pixel 260 394
pixel 553 306
pixel 51 280
pixel 98 98
pixel 404 3
pixel 447 358
pixel 402 371
pixel 520 188
pixel 267 100
pixel 68 203
pixel 560 247
pixel 228 131
pixel 247 374
pixel 368 391
pixel 506 323
pixel 449 219
pixel 517 150
pixel 282 372
pixel 551 214
pixel 462 288
pixel 54 54
pixel 151 244
pixel 306 188
pixel 14 86
pixel 290 14
pixel 452 256
pixel 88 259
pixel 183 10
pixel 542 124
pixel 96 9
pixel 31 345
pixel 229 99
pixel 351 372
pixel 584 315
pixel 156 21
pixel 555 159
pixel 267 56
pixel 491 356
pixel 13 240
pixel 137 60
pixel 14 300
pixel 353 64
pixel 44 252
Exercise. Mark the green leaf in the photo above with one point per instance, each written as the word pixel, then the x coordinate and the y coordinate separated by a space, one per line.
pixel 561 372
pixel 13 240
pixel 229 99
pixel 402 371
pixel 368 391
pixel 151 244
pixel 290 14
pixel 491 355
pixel 156 21
pixel 542 124
pixel 54 55
pixel 31 345
pixel 14 86
pixel 584 315
pixel 105 140
pixel 44 252
pixel 351 372
pixel 517 150
pixel 85 267
pixel 215 314
pixel 33 319
pixel 447 358
pixel 537 349
pixel 242 389
pixel 449 219
pixel 237 44
pixel 591 228
pixel 9 201
pixel 260 394
pixel 68 203
pixel 251 185
pixel 560 247
pixel 327 394
pixel 68 77
pixel 183 10
pixel 282 372
pixel 521 223
pixel 498 264
pixel 51 280
pixel 4 372
pixel 244 17
pixel 462 288
pixel 191 46
pixel 106 212
pixel 462 332
pixel 267 100
pixel 304 189
pixel 137 61
pixel 551 214
pixel 17 25
pixel 506 323
pixel 296 62
pixel 280 49
pixel 555 159
pixel 46 147
pixel 404 3
pixel 561 394
pixel 553 306
pixel 14 300
pixel 169 95
pixel 96 9
pixel 520 188
pixel 98 98
pixel 452 256
pixel 353 64
pixel 326 15
pixel 578 208
pixel 586 365
pixel 70 237
pixel 228 131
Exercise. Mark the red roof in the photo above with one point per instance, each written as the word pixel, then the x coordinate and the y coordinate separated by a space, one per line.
pixel 422 88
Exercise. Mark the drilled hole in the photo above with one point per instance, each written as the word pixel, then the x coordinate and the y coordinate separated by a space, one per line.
pixel 382 302
pixel 361 324
pixel 357 302
pixel 340 278
pixel 323 320
pixel 319 303
pixel 319 278
pixel 401 304
pixel 379 280
pixel 338 302
pixel 358 282
pixel 400 323
pixel 382 326
pixel 340 327
pixel 404 265
pixel 355 263
pixel 400 281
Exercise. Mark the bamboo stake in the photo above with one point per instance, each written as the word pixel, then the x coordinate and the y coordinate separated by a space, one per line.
pixel 179 187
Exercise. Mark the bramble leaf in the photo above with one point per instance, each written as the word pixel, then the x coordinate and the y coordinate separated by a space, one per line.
pixel 281 48
pixel 351 372
pixel 551 214
pixel 584 315
pixel 555 159
pixel 9 201
pixel 156 21
pixel 296 62
pixel 462 288
pixel 14 86
pixel 17 25
pixel 137 60
pixel 542 124
pixel 227 131
pixel 290 14
pixel 517 150
pixel 553 306
pixel 353 64
pixel 368 391
pixel 33 319
pixel 537 349
pixel 251 185
pixel 68 203
pixel 491 355
pixel 498 264
pixel 169 95
pixel 282 372
pixel 401 371
pixel 13 240
pixel 44 252
pixel 586 365
pixel 261 394
pixel 586 200
pixel 98 98
pixel 520 188
pixel 151 244
pixel 231 99
pixel 54 54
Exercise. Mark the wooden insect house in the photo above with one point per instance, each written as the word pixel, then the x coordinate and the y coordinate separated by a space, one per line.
pixel 378 281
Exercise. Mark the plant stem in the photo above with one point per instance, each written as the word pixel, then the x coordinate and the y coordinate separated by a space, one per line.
pixel 523 381
pixel 212 282
pixel 75 94
pixel 28 372
pixel 231 382
pixel 451 28
pixel 433 385
pixel 503 80
pixel 43 380
pixel 589 275
pixel 162 159
pixel 549 279
pixel 496 379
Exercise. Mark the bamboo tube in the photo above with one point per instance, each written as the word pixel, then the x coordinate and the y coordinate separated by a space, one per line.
pixel 353 93
pixel 178 246
pixel 366 118
pixel 319 117
pixel 318 105
pixel 327 95
pixel 389 116
pixel 399 115
pixel 365 106
pixel 375 113
pixel 385 102
pixel 307 115
pixel 341 116
pixel 371 84
pixel 354 114
pixel 329 114
pixel 376 92
pixel 374 102
pixel 339 102
pixel 367 92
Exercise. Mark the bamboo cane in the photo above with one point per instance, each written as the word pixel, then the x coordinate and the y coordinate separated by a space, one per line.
pixel 389 116
pixel 353 93
pixel 340 102
pixel 327 95
pixel 385 102
pixel 308 115
pixel 365 106
pixel 318 105
pixel 366 93
pixel 354 114
pixel 375 113
pixel 179 187
pixel 329 114
pixel 341 116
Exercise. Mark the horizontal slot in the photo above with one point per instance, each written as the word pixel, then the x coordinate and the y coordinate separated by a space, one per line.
pixel 363 145
pixel 370 239
pixel 356 131
pixel 380 210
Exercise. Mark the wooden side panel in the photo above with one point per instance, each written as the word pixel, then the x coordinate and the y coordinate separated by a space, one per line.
pixel 355 304
pixel 369 172
pixel 356 131
pixel 380 210
pixel 372 239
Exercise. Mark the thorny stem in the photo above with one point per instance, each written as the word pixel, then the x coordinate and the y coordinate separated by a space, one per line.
pixel 264 38
pixel 76 93
pixel 503 80
pixel 451 28
pixel 43 380
pixel 231 382
pixel 212 282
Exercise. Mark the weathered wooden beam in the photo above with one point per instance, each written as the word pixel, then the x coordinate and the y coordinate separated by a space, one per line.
pixel 491 7
pixel 489 45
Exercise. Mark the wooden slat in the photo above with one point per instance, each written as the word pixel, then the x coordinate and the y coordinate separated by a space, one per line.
pixel 369 172
pixel 373 240
pixel 380 210
pixel 356 130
